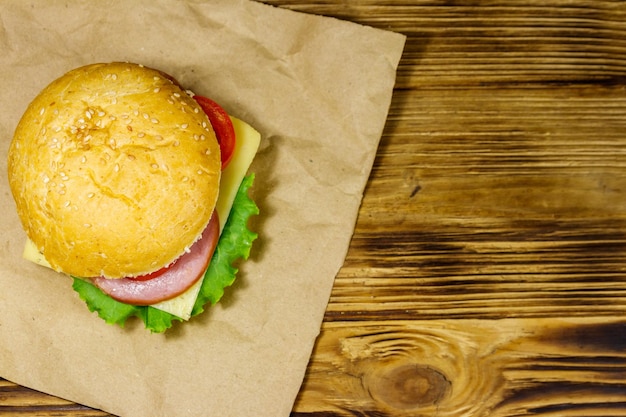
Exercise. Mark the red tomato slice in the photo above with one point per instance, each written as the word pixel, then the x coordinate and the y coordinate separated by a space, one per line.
pixel 153 274
pixel 222 125
pixel 167 282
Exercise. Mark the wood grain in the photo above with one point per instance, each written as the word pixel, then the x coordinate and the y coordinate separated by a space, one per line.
pixel 464 367
pixel 487 273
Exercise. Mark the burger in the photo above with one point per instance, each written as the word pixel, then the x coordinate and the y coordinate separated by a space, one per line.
pixel 137 189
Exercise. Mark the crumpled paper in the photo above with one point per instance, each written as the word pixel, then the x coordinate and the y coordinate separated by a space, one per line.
pixel 317 88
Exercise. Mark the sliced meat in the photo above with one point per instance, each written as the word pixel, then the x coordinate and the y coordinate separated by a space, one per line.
pixel 173 281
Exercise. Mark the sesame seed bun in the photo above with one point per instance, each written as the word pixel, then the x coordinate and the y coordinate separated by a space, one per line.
pixel 115 171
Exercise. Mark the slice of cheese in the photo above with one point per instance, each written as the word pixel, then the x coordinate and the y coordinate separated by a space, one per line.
pixel 246 147
pixel 31 253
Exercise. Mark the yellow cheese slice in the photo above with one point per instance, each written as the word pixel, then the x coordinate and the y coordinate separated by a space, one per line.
pixel 246 147
pixel 31 253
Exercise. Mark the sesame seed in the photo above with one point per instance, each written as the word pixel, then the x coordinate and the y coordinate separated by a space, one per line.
pixel 155 78
pixel 141 135
pixel 42 111
pixel 156 90
pixel 185 125
pixel 67 204
pixel 202 137
pixel 155 121
pixel 155 166
pixel 199 172
pixel 90 195
pixel 58 129
pixel 207 152
pixel 114 76
pixel 132 157
pixel 83 159
pixel 88 114
pixel 185 179
pixel 136 112
pixel 117 168
pixel 146 116
pixel 114 101
pixel 101 113
pixel 196 137
pixel 204 125
pixel 112 117
pixel 176 143
pixel 81 121
pixel 87 138
pixel 46 179
pixel 87 225
pixel 196 110
pixel 158 137
pixel 177 95
pixel 61 192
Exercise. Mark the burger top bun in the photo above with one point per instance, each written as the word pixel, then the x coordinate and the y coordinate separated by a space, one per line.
pixel 115 171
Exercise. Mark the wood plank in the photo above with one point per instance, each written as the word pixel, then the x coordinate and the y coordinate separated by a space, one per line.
pixel 20 401
pixel 509 367
pixel 487 154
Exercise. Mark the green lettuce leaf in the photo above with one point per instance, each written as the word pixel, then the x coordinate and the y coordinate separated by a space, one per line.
pixel 234 244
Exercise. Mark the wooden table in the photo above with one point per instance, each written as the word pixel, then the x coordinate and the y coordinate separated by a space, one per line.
pixel 487 274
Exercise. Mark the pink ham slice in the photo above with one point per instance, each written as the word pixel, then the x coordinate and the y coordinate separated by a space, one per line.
pixel 175 280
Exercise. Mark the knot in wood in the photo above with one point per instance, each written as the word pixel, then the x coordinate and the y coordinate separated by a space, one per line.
pixel 409 386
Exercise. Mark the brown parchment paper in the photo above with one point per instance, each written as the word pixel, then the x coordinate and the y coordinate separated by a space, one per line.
pixel 317 88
